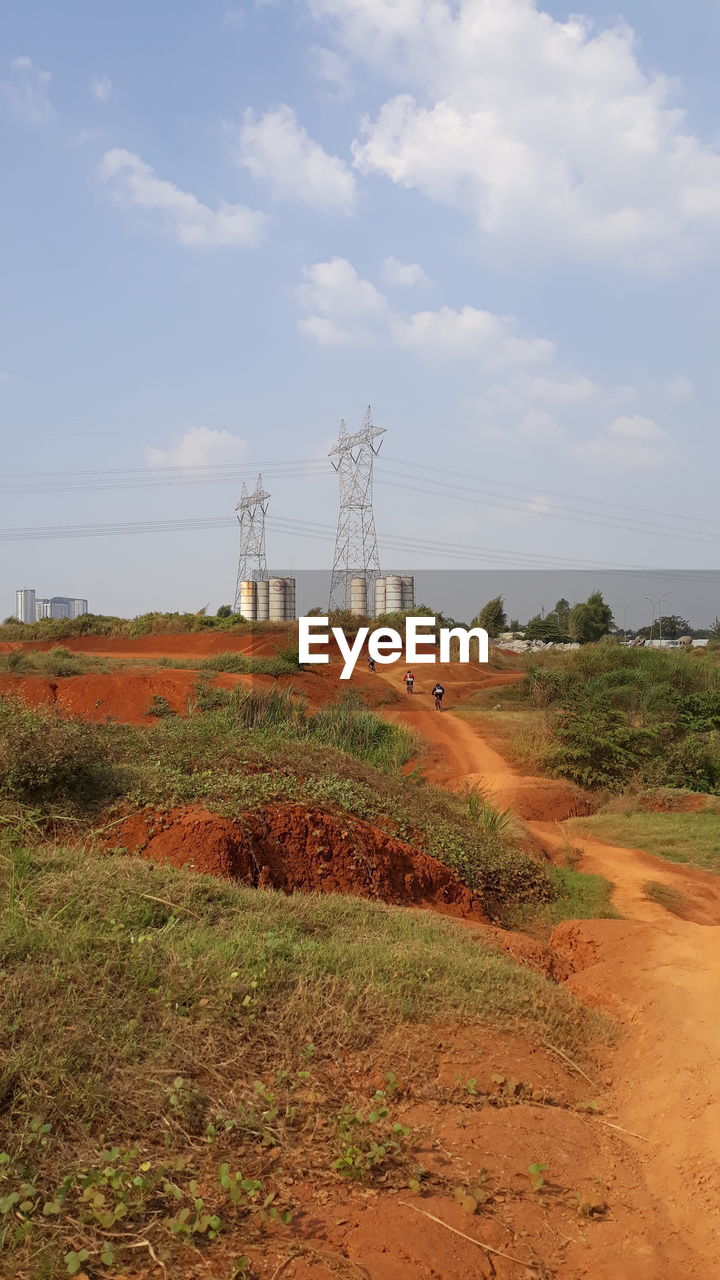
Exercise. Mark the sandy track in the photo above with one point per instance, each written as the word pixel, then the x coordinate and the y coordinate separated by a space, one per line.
pixel 661 976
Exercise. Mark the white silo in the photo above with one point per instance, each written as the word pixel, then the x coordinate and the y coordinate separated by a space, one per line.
pixel 393 594
pixel 263 600
pixel 248 606
pixel 408 592
pixel 380 586
pixel 290 599
pixel 276 588
pixel 358 597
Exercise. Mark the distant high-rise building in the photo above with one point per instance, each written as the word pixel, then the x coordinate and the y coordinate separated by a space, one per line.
pixel 32 608
pixel 25 604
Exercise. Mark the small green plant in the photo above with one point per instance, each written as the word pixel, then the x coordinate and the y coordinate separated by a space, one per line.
pixel 370 1144
pixel 160 707
pixel 535 1174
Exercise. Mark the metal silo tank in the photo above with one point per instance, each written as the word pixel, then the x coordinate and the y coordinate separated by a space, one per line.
pixel 393 594
pixel 248 608
pixel 276 588
pixel 290 606
pixel 408 592
pixel 263 600
pixel 358 597
pixel 380 586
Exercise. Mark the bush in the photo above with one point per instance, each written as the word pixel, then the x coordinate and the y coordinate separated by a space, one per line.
pixel 45 759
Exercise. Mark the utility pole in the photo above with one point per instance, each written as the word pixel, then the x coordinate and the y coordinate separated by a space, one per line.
pixel 251 511
pixel 356 549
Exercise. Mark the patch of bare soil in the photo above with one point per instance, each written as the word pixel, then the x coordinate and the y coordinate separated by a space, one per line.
pixel 297 849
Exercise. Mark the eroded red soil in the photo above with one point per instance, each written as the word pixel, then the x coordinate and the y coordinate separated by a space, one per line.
pixel 297 849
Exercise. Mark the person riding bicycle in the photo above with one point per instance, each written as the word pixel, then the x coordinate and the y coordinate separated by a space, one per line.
pixel 371 664
pixel 409 681
pixel 438 692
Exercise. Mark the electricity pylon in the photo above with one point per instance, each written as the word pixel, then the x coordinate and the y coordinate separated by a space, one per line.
pixel 356 549
pixel 251 511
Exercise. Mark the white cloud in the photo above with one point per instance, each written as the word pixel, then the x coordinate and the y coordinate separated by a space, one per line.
pixel 343 309
pixel 278 150
pixel 200 447
pixel 192 222
pixel 27 91
pixel 469 333
pixel 334 70
pixel 549 134
pixel 632 441
pixel 101 87
pixel 399 273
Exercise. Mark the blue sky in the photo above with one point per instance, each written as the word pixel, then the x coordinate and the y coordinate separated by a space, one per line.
pixel 224 226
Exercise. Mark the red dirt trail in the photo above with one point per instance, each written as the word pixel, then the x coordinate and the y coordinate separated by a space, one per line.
pixel 661 976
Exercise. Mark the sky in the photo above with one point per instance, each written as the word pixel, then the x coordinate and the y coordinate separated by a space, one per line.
pixel 225 226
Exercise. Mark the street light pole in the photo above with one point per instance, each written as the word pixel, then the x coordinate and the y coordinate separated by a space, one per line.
pixel 653 602
pixel 660 604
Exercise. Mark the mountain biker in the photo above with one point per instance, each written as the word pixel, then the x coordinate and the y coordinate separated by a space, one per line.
pixel 409 681
pixel 371 664
pixel 438 692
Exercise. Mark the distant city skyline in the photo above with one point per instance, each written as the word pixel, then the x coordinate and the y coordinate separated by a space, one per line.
pixel 30 607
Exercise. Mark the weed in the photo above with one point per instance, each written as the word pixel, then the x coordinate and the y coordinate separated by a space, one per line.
pixel 370 1145
pixel 160 707
pixel 535 1174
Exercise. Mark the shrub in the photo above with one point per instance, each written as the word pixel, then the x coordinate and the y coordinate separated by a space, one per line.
pixel 44 758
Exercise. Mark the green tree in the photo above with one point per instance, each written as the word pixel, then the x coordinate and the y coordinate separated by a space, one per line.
pixel 671 627
pixel 514 625
pixel 546 629
pixel 225 611
pixel 591 620
pixel 562 613
pixel 492 617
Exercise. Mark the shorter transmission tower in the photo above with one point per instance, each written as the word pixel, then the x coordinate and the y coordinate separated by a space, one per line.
pixel 251 511
pixel 356 548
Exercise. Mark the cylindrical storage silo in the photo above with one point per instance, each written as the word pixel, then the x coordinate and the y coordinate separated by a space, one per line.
pixel 262 595
pixel 248 609
pixel 276 588
pixel 408 592
pixel 379 596
pixel 358 597
pixel 289 599
pixel 393 594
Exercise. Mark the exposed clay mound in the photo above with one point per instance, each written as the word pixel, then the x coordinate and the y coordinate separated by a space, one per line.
pixel 293 848
pixel 549 800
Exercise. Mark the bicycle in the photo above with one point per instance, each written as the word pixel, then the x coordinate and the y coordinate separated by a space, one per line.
pixel 409 685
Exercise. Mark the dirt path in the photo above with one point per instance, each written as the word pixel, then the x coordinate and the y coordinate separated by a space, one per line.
pixel 659 974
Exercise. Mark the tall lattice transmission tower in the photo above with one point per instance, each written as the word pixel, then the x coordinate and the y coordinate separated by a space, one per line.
pixel 251 511
pixel 356 549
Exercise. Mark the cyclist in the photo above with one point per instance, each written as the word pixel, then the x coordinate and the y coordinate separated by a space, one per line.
pixel 438 692
pixel 371 664
pixel 409 681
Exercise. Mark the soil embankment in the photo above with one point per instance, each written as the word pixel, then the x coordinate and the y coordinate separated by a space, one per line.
pixel 297 849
